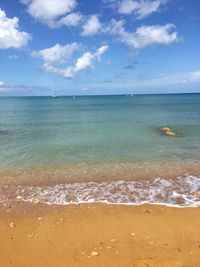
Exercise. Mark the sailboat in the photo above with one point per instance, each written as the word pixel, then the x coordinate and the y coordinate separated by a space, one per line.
pixel 54 93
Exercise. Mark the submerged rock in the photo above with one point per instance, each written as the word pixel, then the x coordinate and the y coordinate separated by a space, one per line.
pixel 3 132
pixel 171 133
pixel 168 132
pixel 165 129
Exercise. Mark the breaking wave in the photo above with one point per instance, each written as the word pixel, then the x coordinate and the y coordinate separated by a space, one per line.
pixel 178 192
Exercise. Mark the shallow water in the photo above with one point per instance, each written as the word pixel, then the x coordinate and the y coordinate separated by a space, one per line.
pixel 42 131
pixel 101 144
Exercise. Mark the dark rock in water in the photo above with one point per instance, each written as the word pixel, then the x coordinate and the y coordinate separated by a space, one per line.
pixel 2 132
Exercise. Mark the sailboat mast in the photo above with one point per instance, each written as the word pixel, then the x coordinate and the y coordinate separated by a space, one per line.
pixel 54 93
pixel 54 87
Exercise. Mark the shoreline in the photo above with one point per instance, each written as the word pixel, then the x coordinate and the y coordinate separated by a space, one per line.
pixel 97 235
pixel 52 175
pixel 179 192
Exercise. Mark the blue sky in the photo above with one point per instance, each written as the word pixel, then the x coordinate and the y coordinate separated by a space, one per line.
pixel 99 46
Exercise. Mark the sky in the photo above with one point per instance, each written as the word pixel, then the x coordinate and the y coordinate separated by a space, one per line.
pixel 92 47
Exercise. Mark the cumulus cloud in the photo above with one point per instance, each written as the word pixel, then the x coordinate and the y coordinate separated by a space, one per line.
pixel 83 62
pixel 10 36
pixel 48 10
pixel 71 20
pixel 143 36
pixel 140 8
pixel 1 83
pixel 54 13
pixel 92 26
pixel 57 53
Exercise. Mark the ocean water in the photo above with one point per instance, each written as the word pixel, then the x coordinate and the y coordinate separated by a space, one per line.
pixel 98 133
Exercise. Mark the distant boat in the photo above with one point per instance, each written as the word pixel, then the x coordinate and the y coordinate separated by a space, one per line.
pixel 54 93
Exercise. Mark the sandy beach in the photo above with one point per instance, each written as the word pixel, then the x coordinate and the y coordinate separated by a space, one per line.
pixel 99 133
pixel 98 235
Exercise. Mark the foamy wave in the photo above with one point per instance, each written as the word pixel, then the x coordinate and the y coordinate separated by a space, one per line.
pixel 178 192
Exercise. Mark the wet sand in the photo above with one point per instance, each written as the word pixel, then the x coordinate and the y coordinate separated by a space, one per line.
pixel 98 235
pixel 100 172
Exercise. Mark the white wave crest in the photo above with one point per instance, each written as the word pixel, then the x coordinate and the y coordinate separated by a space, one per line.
pixel 178 192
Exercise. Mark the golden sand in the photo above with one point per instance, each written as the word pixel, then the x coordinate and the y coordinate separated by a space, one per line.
pixel 98 235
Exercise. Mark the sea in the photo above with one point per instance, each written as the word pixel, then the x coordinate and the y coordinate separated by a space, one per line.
pixel 79 149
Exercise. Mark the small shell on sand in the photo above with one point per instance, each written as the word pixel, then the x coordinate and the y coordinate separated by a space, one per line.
pixel 12 225
pixel 31 235
pixel 19 198
pixel 35 201
pixel 94 253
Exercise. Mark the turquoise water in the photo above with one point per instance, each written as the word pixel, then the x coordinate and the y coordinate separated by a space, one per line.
pixel 42 131
pixel 100 148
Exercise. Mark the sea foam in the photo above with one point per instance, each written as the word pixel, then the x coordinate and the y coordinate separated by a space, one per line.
pixel 178 192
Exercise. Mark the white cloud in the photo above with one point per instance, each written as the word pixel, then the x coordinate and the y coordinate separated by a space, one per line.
pixel 127 6
pixel 71 20
pixel 92 26
pixel 54 13
pixel 144 35
pixel 48 10
pixel 57 53
pixel 83 62
pixel 1 83
pixel 140 8
pixel 10 36
pixel 191 77
pixel 101 51
pixel 194 76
